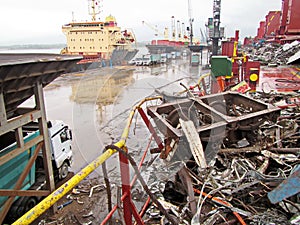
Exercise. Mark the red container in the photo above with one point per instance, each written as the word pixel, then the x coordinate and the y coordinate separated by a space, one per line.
pixel 272 23
pixel 261 30
pixel 251 66
pixel 227 48
pixel 251 75
pixel 290 22
pixel 248 41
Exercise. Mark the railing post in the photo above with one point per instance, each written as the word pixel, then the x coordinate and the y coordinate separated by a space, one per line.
pixel 151 129
pixel 125 178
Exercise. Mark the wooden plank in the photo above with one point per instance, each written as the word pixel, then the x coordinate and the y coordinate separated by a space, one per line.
pixel 19 121
pixel 4 192
pixel 19 137
pixel 3 117
pixel 194 141
pixel 5 158
pixel 40 104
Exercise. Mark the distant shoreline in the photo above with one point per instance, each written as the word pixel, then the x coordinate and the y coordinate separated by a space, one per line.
pixel 45 46
pixel 32 46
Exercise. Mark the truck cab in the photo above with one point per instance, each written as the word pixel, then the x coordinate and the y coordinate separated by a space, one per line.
pixel 61 149
pixel 147 60
pixel 195 59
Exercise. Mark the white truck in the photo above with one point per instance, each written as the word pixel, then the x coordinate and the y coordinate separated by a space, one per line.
pixel 62 156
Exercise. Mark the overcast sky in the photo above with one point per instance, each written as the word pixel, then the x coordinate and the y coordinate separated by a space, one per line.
pixel 40 21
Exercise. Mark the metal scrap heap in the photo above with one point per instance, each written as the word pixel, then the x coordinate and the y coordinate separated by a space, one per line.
pixel 228 159
pixel 275 54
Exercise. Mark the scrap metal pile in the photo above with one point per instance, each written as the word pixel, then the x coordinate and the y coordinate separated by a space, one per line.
pixel 275 54
pixel 228 159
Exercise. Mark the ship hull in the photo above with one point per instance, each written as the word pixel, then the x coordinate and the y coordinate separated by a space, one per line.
pixel 118 57
pixel 166 46
pixel 159 49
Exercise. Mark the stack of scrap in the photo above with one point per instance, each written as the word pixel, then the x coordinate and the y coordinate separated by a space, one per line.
pixel 275 54
pixel 247 183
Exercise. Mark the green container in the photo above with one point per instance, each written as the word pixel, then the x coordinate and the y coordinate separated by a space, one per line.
pixel 221 66
pixel 11 170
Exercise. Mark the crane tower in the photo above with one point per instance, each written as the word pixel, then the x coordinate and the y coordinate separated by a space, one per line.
pixel 216 26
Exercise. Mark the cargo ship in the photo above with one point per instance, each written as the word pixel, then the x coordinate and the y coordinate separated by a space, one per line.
pixel 100 43
pixel 180 41
pixel 281 26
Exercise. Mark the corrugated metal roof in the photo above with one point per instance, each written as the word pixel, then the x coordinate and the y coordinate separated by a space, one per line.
pixel 20 72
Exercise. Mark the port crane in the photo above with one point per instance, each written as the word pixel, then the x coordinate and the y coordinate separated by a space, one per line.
pixel 165 34
pixel 191 20
pixel 173 28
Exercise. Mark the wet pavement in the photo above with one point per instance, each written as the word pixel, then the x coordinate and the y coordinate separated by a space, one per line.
pixel 96 103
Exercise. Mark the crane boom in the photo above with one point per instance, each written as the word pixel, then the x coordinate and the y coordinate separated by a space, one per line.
pixel 165 34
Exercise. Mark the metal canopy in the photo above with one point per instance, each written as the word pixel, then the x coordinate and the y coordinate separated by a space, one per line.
pixel 19 74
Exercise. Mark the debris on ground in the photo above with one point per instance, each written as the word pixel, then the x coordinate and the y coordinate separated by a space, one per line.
pixel 254 181
pixel 244 169
pixel 273 54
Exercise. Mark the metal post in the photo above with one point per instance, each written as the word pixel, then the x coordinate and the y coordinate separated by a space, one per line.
pixel 151 129
pixel 124 168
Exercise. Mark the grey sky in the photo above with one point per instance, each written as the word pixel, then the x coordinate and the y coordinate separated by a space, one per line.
pixel 40 21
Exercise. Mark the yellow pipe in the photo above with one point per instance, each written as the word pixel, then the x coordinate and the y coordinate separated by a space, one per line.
pixel 198 82
pixel 130 118
pixel 46 203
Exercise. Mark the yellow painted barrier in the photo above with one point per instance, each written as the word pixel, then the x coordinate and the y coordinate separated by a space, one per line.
pixel 51 199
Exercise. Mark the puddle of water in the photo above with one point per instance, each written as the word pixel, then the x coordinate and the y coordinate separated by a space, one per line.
pixel 96 103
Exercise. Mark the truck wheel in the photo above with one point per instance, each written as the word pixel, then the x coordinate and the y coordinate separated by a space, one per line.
pixel 30 203
pixel 63 171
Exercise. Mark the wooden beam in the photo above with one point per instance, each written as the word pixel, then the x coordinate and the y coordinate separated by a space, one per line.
pixel 3 117
pixel 5 158
pixel 4 192
pixel 19 137
pixel 40 105
pixel 19 121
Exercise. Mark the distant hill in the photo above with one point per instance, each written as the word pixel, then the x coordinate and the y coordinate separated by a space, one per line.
pixel 33 46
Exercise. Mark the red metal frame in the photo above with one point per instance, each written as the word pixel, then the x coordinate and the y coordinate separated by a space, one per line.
pixel 129 208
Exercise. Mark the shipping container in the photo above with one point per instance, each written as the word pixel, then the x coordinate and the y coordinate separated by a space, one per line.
pixel 272 23
pixel 228 48
pixel 290 20
pixel 261 30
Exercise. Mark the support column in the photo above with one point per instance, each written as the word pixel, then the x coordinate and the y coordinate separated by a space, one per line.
pixel 40 104
pixel 3 117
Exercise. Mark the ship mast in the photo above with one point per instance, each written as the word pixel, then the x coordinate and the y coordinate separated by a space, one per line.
pixel 94 8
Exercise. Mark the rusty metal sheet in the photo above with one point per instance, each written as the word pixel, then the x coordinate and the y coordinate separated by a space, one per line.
pixel 227 116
